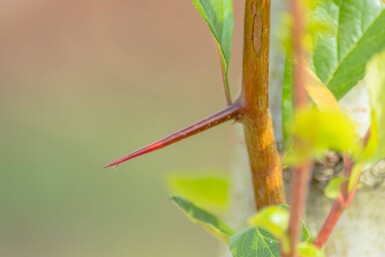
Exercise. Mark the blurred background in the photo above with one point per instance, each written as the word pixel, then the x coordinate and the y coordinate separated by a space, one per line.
pixel 83 83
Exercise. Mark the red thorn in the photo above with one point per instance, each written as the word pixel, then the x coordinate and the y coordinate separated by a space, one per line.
pixel 230 112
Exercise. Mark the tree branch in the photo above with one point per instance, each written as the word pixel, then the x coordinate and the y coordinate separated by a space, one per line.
pixel 259 135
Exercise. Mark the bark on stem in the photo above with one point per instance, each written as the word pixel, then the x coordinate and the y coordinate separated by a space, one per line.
pixel 263 155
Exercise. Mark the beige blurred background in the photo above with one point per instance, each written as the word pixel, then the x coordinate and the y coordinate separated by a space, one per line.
pixel 84 82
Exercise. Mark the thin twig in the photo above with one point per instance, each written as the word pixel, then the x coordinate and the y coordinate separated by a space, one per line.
pixel 342 202
pixel 298 198
pixel 300 181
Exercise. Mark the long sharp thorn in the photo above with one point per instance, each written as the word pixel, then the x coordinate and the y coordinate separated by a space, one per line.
pixel 230 112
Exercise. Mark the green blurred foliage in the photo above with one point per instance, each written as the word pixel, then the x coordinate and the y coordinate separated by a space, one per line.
pixel 375 80
pixel 317 131
pixel 307 249
pixel 274 219
pixel 333 189
pixel 209 191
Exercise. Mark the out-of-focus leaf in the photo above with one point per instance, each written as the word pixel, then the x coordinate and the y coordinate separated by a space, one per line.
pixel 369 151
pixel 253 242
pixel 203 218
pixel 219 17
pixel 306 249
pixel 375 79
pixel 322 97
pixel 325 130
pixel 209 191
pixel 320 94
pixel 333 189
pixel 274 219
pixel 355 176
pixel 318 131
pixel 339 58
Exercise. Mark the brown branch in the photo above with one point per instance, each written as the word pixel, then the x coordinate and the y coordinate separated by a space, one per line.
pixel 230 112
pixel 259 135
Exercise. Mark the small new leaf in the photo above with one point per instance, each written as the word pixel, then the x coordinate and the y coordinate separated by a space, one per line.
pixel 274 219
pixel 333 189
pixel 203 218
pixel 318 131
pixel 219 17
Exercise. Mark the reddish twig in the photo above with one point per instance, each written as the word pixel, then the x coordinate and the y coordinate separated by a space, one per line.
pixel 301 175
pixel 343 201
pixel 299 53
pixel 298 198
pixel 230 112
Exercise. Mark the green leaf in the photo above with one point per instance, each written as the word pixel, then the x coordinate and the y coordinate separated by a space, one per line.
pixel 376 85
pixel 306 236
pixel 209 191
pixel 308 250
pixel 339 57
pixel 333 189
pixel 254 242
pixel 320 95
pixel 274 219
pixel 218 15
pixel 203 218
pixel 318 131
pixel 355 176
pixel 267 234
